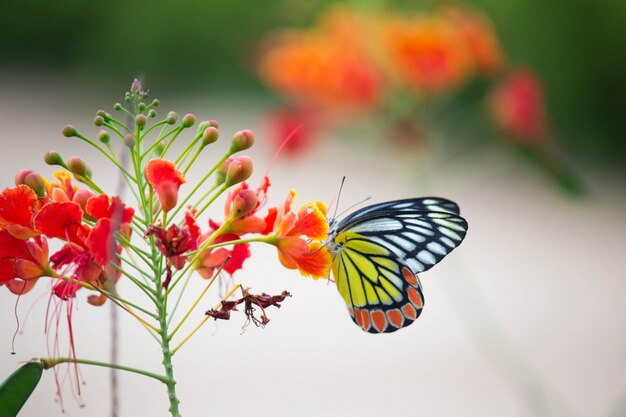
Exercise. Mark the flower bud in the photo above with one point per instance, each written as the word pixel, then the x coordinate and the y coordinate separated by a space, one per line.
pixel 69 131
pixel 78 167
pixel 136 87
pixel 188 120
pixel 210 135
pixel 214 124
pixel 21 175
pixel 244 203
pixel 239 170
pixel 172 117
pixel 81 196
pixel 141 120
pixel 129 141
pixel 32 180
pixel 160 148
pixel 155 103
pixel 117 106
pixel 220 174
pixel 98 120
pixel 242 140
pixel 104 136
pixel 102 113
pixel 141 106
pixel 152 113
pixel 53 158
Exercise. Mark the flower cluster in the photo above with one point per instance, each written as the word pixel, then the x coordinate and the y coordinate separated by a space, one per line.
pixel 164 237
pixel 406 70
pixel 356 59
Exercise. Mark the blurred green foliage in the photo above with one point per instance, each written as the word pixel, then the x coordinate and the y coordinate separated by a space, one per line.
pixel 578 47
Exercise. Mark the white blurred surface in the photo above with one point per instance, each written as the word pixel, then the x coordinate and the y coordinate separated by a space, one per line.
pixel 526 318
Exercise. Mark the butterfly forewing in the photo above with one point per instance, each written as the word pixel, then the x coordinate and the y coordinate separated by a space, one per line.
pixel 379 250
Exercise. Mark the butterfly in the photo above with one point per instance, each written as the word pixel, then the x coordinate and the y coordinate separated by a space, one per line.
pixel 378 252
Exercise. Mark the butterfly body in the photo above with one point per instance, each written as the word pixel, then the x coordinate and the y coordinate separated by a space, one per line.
pixel 378 252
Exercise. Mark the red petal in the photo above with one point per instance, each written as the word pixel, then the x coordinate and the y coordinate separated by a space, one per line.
pixel 101 242
pixel 239 254
pixel 166 180
pixel 19 287
pixel 17 206
pixel 59 220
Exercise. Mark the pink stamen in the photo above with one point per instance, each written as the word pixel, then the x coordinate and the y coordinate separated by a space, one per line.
pixel 281 147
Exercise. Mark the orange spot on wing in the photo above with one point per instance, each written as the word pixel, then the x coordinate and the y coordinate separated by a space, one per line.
pixel 366 320
pixel 358 316
pixel 379 320
pixel 410 277
pixel 395 317
pixel 415 297
pixel 409 311
pixel 351 311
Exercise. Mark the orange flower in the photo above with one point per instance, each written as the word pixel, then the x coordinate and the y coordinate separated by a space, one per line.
pixel 517 106
pixel 166 180
pixel 328 66
pixel 427 52
pixel 291 235
pixel 479 37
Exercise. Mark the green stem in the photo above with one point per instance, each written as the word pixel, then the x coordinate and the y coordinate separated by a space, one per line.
pixel 169 381
pixel 52 362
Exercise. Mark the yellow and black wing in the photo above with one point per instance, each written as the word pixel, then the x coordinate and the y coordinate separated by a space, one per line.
pixel 378 252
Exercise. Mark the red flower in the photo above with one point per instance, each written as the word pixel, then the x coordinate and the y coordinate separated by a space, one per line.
pixel 17 206
pixel 62 220
pixel 22 262
pixel 517 106
pixel 166 180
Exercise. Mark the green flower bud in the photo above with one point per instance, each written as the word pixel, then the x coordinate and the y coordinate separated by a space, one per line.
pixel 160 148
pixel 104 136
pixel 210 135
pixel 172 117
pixel 129 141
pixel 155 103
pixel 152 113
pixel 53 158
pixel 98 120
pixel 69 131
pixel 78 167
pixel 140 120
pixel 188 120
pixel 242 140
pixel 141 106
pixel 117 106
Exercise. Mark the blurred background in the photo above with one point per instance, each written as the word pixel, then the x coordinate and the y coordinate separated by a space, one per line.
pixel 526 318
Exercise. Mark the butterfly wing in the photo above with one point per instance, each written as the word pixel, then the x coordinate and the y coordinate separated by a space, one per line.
pixel 379 251
pixel 407 205
pixel 381 293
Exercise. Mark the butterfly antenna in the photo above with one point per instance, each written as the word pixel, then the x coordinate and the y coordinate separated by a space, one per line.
pixel 354 205
pixel 338 196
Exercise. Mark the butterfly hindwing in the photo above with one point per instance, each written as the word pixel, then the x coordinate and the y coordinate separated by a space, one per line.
pixel 382 294
pixel 380 249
